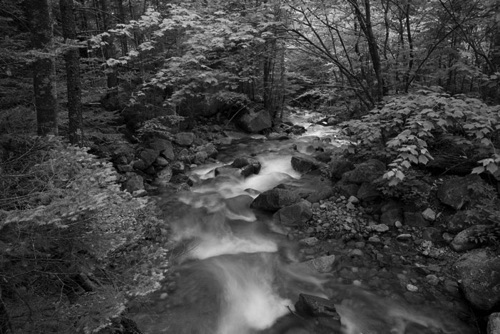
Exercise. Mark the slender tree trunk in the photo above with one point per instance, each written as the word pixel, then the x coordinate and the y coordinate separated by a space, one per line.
pixel 367 28
pixel 44 70
pixel 410 47
pixel 109 48
pixel 73 82
pixel 122 18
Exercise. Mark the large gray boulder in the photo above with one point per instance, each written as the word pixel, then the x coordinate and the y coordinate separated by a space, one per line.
pixel 254 122
pixel 304 164
pixel 275 199
pixel 248 165
pixel 134 182
pixel 338 167
pixel 294 215
pixel 455 191
pixel 149 156
pixel 184 138
pixel 367 171
pixel 479 276
pixel 463 240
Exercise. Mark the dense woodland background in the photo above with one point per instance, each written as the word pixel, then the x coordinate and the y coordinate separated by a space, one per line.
pixel 414 79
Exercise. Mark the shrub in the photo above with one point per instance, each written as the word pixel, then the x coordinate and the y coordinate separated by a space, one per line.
pixel 63 252
pixel 405 128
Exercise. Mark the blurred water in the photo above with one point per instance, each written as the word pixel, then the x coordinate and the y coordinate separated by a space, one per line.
pixel 236 272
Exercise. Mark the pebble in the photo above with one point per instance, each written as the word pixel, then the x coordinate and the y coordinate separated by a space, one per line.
pixel 398 224
pixel 356 282
pixel 360 244
pixel 432 279
pixel 356 252
pixel 403 237
pixel 374 239
pixel 411 288
pixel 380 228
pixel 353 199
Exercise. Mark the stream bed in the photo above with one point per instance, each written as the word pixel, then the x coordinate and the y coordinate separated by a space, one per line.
pixel 236 271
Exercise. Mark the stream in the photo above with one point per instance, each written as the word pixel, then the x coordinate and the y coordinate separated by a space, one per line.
pixel 236 271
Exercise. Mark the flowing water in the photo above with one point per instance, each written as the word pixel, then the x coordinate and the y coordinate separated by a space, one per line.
pixel 235 271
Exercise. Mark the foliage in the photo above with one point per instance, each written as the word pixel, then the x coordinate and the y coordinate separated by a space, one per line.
pixel 59 253
pixel 205 51
pixel 405 128
pixel 486 211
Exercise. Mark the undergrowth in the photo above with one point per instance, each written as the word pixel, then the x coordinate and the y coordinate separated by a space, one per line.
pixel 407 128
pixel 73 246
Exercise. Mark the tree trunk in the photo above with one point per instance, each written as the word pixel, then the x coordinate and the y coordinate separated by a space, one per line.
pixel 122 19
pixel 367 28
pixel 44 70
pixel 109 48
pixel 73 82
pixel 410 47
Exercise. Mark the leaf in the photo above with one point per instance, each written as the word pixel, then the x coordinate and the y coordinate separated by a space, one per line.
pixel 400 175
pixel 406 164
pixel 486 142
pixel 492 168
pixel 423 159
pixel 478 170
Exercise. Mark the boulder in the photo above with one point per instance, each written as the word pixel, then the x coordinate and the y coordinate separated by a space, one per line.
pixel 275 199
pixel 149 156
pixel 200 157
pixel 294 215
pixel 247 165
pixel 415 219
pixel 455 191
pixel 321 264
pixel 367 171
pixel 313 306
pixel 338 167
pixel 304 164
pixel 160 144
pixel 322 192
pixel 134 182
pixel 323 157
pixel 368 192
pixel 254 122
pixel 479 276
pixel 463 240
pixel 184 138
pixel 227 170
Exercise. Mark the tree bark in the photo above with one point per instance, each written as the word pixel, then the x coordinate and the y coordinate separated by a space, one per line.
pixel 122 19
pixel 73 82
pixel 109 48
pixel 367 28
pixel 44 71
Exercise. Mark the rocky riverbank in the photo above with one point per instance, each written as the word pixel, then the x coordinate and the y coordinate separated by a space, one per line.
pixel 417 252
